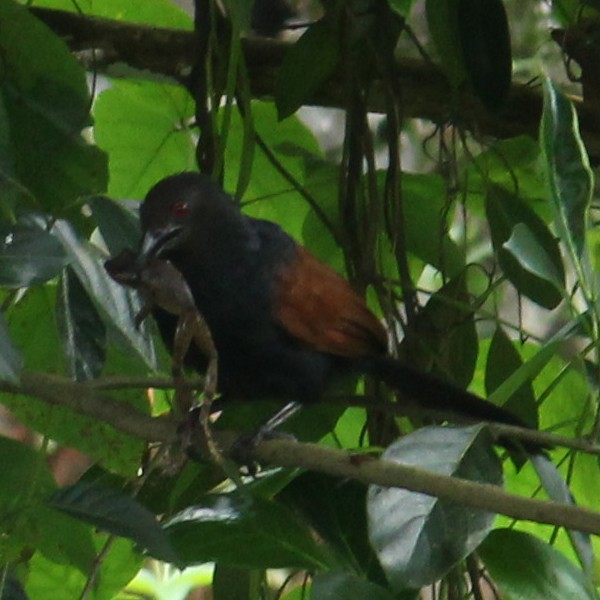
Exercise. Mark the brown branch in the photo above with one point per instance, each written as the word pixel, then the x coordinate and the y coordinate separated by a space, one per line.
pixel 425 92
pixel 388 474
pixel 83 399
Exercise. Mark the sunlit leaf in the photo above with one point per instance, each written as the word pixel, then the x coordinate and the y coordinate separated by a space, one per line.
pixel 143 126
pixel 525 567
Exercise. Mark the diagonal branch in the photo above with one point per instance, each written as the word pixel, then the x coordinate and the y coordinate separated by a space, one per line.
pixel 367 469
pixel 425 92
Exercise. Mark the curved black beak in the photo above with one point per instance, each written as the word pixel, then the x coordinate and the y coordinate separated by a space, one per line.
pixel 156 241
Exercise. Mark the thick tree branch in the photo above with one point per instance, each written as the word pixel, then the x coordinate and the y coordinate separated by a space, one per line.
pixel 425 91
pixel 85 400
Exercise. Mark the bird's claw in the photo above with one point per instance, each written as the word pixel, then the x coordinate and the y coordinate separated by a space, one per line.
pixel 243 448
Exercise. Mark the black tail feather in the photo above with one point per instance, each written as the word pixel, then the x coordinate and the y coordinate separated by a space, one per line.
pixel 429 394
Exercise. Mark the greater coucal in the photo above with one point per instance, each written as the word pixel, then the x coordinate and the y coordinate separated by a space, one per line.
pixel 284 324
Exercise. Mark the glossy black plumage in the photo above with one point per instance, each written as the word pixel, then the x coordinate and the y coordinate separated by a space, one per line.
pixel 284 324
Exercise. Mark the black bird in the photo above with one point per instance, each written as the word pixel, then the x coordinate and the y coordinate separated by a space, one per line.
pixel 284 324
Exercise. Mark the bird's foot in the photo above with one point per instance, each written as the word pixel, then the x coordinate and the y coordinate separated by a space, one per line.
pixel 242 451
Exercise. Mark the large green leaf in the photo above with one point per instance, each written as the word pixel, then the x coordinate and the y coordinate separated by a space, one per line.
pixel 426 234
pixel 528 253
pixel 117 224
pixel 443 338
pixel 301 74
pixel 567 169
pixel 47 102
pixel 143 126
pixel 237 529
pixel 525 567
pixel 82 330
pixel 513 164
pixel 419 538
pixel 29 255
pixel 53 581
pixel 116 513
pixel 524 246
pixel 112 300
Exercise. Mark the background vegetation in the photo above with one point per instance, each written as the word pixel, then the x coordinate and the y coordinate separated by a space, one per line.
pixel 456 191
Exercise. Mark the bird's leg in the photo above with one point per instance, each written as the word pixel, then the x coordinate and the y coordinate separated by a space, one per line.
pixel 245 444
pixel 192 326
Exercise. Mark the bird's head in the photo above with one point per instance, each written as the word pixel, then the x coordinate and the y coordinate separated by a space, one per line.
pixel 176 209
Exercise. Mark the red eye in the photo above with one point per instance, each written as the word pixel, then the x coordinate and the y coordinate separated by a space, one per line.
pixel 180 209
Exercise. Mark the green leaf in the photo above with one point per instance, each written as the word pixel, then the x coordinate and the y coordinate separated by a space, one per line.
pixel 28 256
pixel 524 246
pixel 81 328
pixel 47 102
pixel 118 225
pixel 150 12
pixel 444 338
pixel 532 261
pixel 52 581
pixel 347 586
pixel 301 74
pixel 485 41
pixel 419 538
pixel 513 164
pixel 558 490
pixel 337 512
pixel 424 213
pixel 442 20
pixel 113 301
pixel 525 567
pixel 24 520
pixel 11 360
pixel 116 513
pixel 567 169
pixel 142 125
pixel 243 531
pixel 502 361
pixel 526 372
